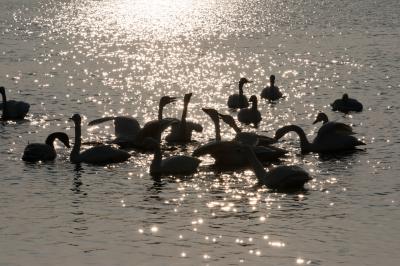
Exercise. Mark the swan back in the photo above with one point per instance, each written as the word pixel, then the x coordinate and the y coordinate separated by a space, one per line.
pixel 35 152
pixel 102 155
pixel 13 109
pixel 346 105
pixel 286 177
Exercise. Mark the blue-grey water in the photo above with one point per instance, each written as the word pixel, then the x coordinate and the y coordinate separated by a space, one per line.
pixel 118 57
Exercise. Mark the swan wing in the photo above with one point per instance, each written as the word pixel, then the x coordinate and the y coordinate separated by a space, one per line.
pixel 336 128
pixel 286 177
pixel 17 109
pixel 335 142
pixel 180 164
pixel 103 154
pixel 38 152
pixel 176 133
pixel 237 101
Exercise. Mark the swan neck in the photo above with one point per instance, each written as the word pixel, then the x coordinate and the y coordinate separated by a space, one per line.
pixel 241 88
pixel 254 105
pixel 156 163
pixel 160 111
pixel 304 143
pixel 77 145
pixel 3 94
pixel 236 127
pixel 217 129
pixel 257 167
pixel 50 140
pixel 183 118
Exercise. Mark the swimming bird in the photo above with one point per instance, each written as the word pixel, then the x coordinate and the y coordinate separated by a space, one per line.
pixel 346 104
pixel 239 100
pixel 35 152
pixel 13 110
pixel 227 153
pixel 330 126
pixel 322 143
pixel 249 138
pixel 250 115
pixel 271 92
pixel 128 132
pixel 174 165
pixel 101 154
pixel 281 177
pixel 182 132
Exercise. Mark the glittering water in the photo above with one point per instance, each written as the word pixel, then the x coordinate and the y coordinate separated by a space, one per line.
pixel 118 57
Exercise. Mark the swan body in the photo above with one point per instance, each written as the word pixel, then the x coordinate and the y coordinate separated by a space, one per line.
pixel 182 132
pixel 124 126
pixel 281 177
pixel 239 100
pixel 250 115
pixel 174 165
pixel 100 155
pixel 248 138
pixel 329 126
pixel 271 92
pixel 13 110
pixel 323 143
pixel 346 105
pixel 35 152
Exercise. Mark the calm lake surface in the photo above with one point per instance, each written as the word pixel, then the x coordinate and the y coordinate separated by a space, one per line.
pixel 118 57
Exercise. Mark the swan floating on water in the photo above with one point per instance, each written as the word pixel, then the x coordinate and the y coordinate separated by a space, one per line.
pixel 101 154
pixel 182 132
pixel 35 152
pixel 346 105
pixel 239 100
pixel 174 165
pixel 12 110
pixel 281 177
pixel 249 138
pixel 330 126
pixel 271 92
pixel 323 143
pixel 250 115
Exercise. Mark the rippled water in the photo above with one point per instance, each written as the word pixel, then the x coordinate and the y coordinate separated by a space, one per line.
pixel 116 57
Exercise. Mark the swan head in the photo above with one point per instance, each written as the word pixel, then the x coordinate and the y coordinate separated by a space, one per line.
pixel 166 100
pixel 321 117
pixel 2 90
pixel 64 139
pixel 76 118
pixel 228 119
pixel 345 97
pixel 272 79
pixel 212 113
pixel 244 80
pixel 187 97
pixel 253 99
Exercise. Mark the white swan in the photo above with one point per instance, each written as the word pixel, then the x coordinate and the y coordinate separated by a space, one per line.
pixel 239 100
pixel 271 92
pixel 182 132
pixel 35 152
pixel 174 165
pixel 128 132
pixel 323 143
pixel 249 138
pixel 250 115
pixel 329 126
pixel 346 104
pixel 101 154
pixel 12 109
pixel 227 153
pixel 281 177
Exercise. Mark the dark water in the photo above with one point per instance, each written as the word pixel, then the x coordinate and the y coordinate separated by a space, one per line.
pixel 118 57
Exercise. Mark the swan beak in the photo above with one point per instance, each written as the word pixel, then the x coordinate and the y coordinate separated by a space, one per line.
pixel 316 121
pixel 172 99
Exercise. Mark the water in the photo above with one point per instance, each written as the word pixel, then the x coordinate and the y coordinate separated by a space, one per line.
pixel 117 57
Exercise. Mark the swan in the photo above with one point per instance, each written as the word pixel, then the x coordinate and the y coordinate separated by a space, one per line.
pixel 101 154
pixel 182 131
pixel 239 100
pixel 128 132
pixel 346 104
pixel 272 92
pixel 323 143
pixel 329 126
pixel 228 153
pixel 44 151
pixel 249 138
pixel 250 115
pixel 174 165
pixel 281 177
pixel 12 109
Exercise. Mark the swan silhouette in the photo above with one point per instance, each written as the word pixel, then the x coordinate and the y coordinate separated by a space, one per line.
pixel 329 126
pixel 250 115
pixel 323 143
pixel 182 132
pixel 239 100
pixel 13 110
pixel 101 154
pixel 35 152
pixel 346 104
pixel 174 165
pixel 281 177
pixel 272 92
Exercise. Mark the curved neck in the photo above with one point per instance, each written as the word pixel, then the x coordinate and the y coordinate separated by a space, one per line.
pixel 304 143
pixel 77 145
pixel 160 111
pixel 235 127
pixel 50 139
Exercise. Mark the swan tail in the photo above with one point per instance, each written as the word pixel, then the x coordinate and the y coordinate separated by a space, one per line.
pixel 100 120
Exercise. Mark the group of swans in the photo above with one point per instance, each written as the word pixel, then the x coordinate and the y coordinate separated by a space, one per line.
pixel 246 149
